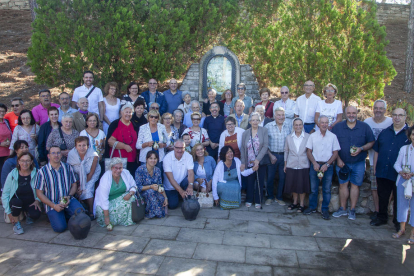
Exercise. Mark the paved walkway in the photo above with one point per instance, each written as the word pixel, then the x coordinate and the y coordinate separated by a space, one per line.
pixel 272 241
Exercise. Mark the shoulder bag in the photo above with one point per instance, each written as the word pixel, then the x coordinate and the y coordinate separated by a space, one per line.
pixel 138 208
pixel 108 160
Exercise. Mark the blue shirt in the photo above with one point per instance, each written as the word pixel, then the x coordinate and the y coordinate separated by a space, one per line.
pixel 238 119
pixel 69 111
pixel 156 138
pixel 173 100
pixel 209 167
pixel 388 146
pixel 360 135
pixel 214 127
pixel 187 120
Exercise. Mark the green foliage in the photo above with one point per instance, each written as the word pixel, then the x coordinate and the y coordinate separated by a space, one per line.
pixel 409 109
pixel 324 41
pixel 122 40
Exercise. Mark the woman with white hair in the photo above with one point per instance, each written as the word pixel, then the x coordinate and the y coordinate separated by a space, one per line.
pixel 114 196
pixel 261 110
pixel 185 107
pixel 63 136
pixel 122 137
pixel 330 107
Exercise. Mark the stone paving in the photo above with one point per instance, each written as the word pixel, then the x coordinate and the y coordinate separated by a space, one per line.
pixel 272 241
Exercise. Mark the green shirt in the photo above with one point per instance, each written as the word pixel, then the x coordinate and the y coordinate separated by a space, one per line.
pixel 117 189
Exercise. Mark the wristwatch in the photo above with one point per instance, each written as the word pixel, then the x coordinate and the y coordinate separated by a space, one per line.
pixel 327 165
pixel 191 184
pixel 362 148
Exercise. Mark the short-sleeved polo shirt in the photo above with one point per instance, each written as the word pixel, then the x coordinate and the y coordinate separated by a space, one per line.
pixel 323 146
pixel 179 168
pixel 40 113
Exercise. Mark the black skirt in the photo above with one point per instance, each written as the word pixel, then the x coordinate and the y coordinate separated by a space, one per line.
pixel 297 181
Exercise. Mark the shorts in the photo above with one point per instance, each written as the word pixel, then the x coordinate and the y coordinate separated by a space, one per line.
pixel 356 175
pixel 373 179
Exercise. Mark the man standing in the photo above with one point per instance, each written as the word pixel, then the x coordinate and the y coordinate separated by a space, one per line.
pixel 242 119
pixel 377 123
pixel 386 150
pixel 178 174
pixel 306 105
pixel 79 117
pixel 53 182
pixel 211 94
pixel 17 105
pixel 355 138
pixel 291 110
pixel 152 95
pixel 278 130
pixel 322 150
pixel 248 102
pixel 195 107
pixel 65 107
pixel 40 111
pixel 214 125
pixel 173 96
pixel 92 93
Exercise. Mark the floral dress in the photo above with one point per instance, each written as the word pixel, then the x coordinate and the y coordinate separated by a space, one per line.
pixel 154 199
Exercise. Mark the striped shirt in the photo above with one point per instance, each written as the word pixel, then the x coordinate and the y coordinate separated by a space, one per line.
pixel 55 183
pixel 277 137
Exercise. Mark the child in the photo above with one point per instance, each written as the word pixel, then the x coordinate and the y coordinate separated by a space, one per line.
pixel 187 140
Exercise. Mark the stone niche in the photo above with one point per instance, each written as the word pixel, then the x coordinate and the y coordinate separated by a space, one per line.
pixel 220 69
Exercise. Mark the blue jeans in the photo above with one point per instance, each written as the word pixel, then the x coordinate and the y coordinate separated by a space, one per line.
pixel 271 173
pixel 173 195
pixel 308 127
pixel 58 220
pixel 326 188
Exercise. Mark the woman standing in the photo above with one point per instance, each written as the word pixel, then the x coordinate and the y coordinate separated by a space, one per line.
pixel 226 99
pixel 166 120
pixel 64 136
pixel 405 168
pixel 139 118
pixel 45 131
pixel 148 179
pixel 297 165
pixel 5 135
pixel 204 167
pixel 227 180
pixel 152 136
pixel 197 134
pixel 84 161
pixel 112 105
pixel 186 106
pixel 255 142
pixel 232 137
pixel 132 94
pixel 19 193
pixel 266 103
pixel 330 107
pixel 26 130
pixel 122 135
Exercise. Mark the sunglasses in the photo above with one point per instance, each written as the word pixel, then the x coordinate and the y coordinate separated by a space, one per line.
pixel 153 117
pixel 155 108
pixel 196 119
pixel 15 105
pixel 284 93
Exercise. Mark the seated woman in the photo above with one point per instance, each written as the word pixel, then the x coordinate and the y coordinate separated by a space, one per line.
pixel 148 179
pixel 204 167
pixel 84 161
pixel 227 180
pixel 26 130
pixel 19 193
pixel 19 147
pixel 114 196
pixel 405 168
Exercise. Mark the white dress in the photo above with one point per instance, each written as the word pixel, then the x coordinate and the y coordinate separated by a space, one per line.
pixel 112 112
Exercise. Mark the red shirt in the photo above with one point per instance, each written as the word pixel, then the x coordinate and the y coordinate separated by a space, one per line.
pixel 13 119
pixel 5 134
pixel 268 109
pixel 128 135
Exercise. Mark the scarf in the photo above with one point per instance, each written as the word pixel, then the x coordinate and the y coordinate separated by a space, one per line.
pixel 75 161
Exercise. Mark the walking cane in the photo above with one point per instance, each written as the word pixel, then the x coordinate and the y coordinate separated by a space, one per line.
pixel 258 186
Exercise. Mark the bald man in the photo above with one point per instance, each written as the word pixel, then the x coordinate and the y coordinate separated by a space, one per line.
pixel 357 135
pixel 173 96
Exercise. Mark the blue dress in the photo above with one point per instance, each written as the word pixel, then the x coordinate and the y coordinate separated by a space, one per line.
pixel 229 192
pixel 153 199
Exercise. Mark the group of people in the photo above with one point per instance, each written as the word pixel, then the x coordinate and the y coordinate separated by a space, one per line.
pixel 102 153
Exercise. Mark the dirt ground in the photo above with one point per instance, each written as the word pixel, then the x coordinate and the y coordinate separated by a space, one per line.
pixel 16 79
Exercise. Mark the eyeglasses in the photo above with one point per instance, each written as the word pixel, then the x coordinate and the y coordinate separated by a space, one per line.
pixel 230 125
pixel 117 168
pixel 195 119
pixel 240 88
pixel 154 108
pixel 178 148
pixel 284 93
pixel 153 117
pixel 25 161
pixel 167 118
pixel 56 153
pixel 398 115
pixel 15 105
pixel 152 83
pixel 330 91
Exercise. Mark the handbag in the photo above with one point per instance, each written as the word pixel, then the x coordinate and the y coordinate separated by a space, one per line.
pixel 62 146
pixel 205 199
pixel 138 208
pixel 108 160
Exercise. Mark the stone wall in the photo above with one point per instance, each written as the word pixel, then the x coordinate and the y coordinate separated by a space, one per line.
pixel 191 80
pixel 249 79
pixel 387 13
pixel 14 4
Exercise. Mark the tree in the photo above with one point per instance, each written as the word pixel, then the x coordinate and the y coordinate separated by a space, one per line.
pixel 122 40
pixel 325 41
pixel 409 59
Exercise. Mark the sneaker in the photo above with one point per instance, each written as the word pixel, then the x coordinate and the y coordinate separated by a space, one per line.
pixel 17 228
pixel 257 206
pixel 351 215
pixel 269 202
pixel 325 214
pixel 281 202
pixel 374 216
pixel 309 211
pixel 29 220
pixel 340 212
pixel 248 205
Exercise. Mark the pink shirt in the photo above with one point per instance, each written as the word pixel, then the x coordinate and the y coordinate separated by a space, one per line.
pixel 40 113
pixel 5 134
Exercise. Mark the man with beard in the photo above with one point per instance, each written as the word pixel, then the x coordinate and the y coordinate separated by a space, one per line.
pixel 65 107
pixel 355 139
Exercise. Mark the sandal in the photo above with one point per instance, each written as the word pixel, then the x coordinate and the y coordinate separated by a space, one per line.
pixel 411 240
pixel 293 206
pixel 398 234
pixel 301 209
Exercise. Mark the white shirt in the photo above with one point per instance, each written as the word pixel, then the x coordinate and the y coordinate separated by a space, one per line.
pixel 401 159
pixel 376 129
pixel 297 140
pixel 179 168
pixel 322 146
pixel 290 108
pixel 307 107
pixel 330 110
pixel 94 98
